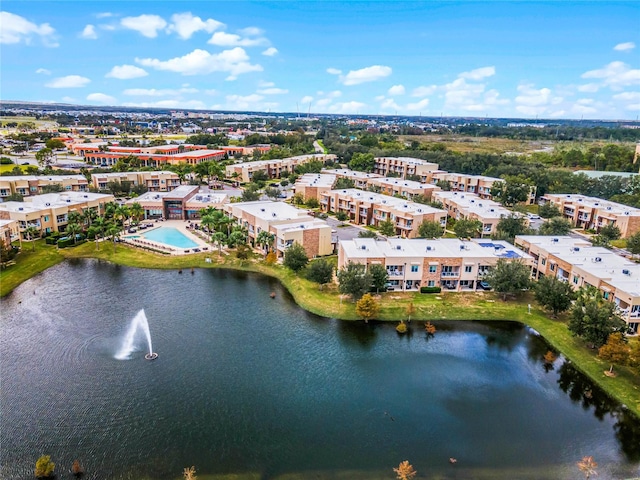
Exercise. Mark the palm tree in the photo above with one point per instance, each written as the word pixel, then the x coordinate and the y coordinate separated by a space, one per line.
pixel 265 239
pixel 89 215
pixel 113 231
pixel 100 224
pixel 219 238
pixel 121 214
pixel 32 232
pixel 216 170
pixel 75 217
pixel 73 229
pixel 110 210
pixel 137 212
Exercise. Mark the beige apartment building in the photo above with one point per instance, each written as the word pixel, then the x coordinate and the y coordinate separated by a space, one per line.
pixel 273 168
pixel 452 264
pixel 162 181
pixel 28 185
pixel 49 212
pixel 9 231
pixel 580 264
pixel 403 166
pixel 360 179
pixel 181 203
pixel 368 208
pixel 313 185
pixel 286 222
pixel 479 184
pixel 471 207
pixel 403 188
pixel 594 213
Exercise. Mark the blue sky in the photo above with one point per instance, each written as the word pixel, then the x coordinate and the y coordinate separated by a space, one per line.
pixel 496 59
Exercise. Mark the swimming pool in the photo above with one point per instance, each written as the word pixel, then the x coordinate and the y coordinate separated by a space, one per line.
pixel 170 236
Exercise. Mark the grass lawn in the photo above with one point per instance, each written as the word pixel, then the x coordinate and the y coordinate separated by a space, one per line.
pixel 322 145
pixel 8 168
pixel 328 302
pixel 620 243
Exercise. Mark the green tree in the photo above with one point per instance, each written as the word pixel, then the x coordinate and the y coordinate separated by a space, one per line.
pixel 259 178
pixel 367 234
pixel 44 467
pixel 555 226
pixel 510 226
pixel 466 228
pixel 45 157
pixel 512 190
pixel 54 144
pixel 387 228
pixel 430 229
pixel 136 211
pixel 272 192
pixel 633 244
pixel 219 238
pixel 362 162
pixel 295 257
pixel 73 230
pixel 615 350
pixel 354 280
pixel 509 277
pixel 265 240
pixel 250 193
pixel 367 307
pixel 320 271
pixel 343 183
pixel 593 318
pixel 342 216
pixel 32 233
pixel 312 202
pixel 113 231
pixel 610 232
pixel 548 210
pixel 379 276
pixel 444 185
pixel 554 294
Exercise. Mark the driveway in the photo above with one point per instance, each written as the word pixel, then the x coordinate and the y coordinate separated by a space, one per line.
pixel 348 232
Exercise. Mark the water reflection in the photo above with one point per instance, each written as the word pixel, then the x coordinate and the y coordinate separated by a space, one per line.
pixel 582 391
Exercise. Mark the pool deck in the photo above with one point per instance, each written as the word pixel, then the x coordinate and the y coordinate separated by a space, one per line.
pixel 179 225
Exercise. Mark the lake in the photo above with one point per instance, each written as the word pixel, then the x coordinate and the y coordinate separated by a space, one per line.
pixel 246 384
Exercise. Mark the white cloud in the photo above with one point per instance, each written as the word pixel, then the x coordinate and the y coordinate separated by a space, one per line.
pixel 459 93
pixel 627 96
pixel 244 102
pixel 615 75
pixel 334 94
pixel 101 98
pixel 211 91
pixel 367 74
pixel 126 72
pixel 270 52
pixel 223 39
pixel 348 107
pixel 334 71
pixel 70 81
pixel 43 71
pixel 104 15
pixel 323 102
pixel 68 99
pixel 418 106
pixel 16 29
pixel 424 91
pixel 396 90
pixel 185 25
pixel 89 32
pixel 390 104
pixel 532 101
pixel 273 91
pixel 201 62
pixel 146 25
pixel 264 84
pixel 589 88
pixel 192 104
pixel 306 99
pixel 479 73
pixel 625 47
pixel 251 31
pixel 163 92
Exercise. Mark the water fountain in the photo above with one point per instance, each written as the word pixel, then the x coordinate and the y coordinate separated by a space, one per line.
pixel 139 322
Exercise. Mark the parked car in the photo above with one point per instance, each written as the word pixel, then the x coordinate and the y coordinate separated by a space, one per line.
pixel 484 285
pixel 533 216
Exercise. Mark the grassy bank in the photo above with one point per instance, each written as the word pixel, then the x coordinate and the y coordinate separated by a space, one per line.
pixel 329 303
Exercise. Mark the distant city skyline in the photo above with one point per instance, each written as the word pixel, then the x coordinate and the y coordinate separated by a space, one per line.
pixel 565 60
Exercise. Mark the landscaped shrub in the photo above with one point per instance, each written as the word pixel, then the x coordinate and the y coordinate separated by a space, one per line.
pixel 430 289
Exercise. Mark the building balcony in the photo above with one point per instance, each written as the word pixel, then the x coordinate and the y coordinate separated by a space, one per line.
pixel 450 274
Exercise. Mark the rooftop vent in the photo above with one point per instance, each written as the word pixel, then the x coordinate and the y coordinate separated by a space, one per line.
pixel 20 208
pixel 398 247
pixel 598 259
pixel 608 208
pixel 626 272
pixel 47 204
pixel 262 210
pixel 555 240
pixel 419 210
pixel 363 247
pixel 274 214
pixel 576 249
pixel 429 248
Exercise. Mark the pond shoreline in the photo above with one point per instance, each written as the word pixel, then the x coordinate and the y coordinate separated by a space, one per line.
pixel 329 303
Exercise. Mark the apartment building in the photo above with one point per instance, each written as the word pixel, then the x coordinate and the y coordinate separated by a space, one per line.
pixel 162 181
pixel 403 188
pixel 273 168
pixel 403 166
pixel 181 203
pixel 313 185
pixel 580 264
pixel 479 184
pixel 49 212
pixel 471 207
pixel 28 185
pixel 368 208
pixel 9 231
pixel 594 213
pixel 82 149
pixel 286 222
pixel 453 264
pixel 360 179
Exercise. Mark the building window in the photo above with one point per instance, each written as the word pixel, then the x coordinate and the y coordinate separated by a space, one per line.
pixel 468 269
pixel 575 279
pixel 414 268
pixel 431 283
pixel 605 295
pixel 544 261
pixel 433 268
pixel 553 267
